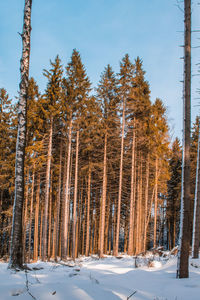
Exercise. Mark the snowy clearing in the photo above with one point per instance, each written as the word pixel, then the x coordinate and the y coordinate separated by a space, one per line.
pixel 109 278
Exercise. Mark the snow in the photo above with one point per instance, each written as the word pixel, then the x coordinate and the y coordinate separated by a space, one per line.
pixel 101 279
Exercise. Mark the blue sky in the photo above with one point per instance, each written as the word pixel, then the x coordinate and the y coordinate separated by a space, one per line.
pixel 103 31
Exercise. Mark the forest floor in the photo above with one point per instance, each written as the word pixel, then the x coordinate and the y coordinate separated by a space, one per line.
pixel 143 278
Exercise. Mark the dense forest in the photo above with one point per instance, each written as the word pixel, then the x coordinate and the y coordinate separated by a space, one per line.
pixel 102 174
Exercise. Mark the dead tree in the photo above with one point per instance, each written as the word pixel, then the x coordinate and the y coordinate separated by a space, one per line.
pixel 184 239
pixel 16 250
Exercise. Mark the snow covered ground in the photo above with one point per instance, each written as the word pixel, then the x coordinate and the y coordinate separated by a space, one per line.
pixel 101 279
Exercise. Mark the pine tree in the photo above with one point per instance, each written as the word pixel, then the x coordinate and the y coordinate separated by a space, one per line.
pixel 107 95
pixel 77 87
pixel 125 81
pixel 138 115
pixel 52 99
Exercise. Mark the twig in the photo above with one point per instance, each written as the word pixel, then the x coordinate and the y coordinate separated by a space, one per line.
pixel 131 295
pixel 27 287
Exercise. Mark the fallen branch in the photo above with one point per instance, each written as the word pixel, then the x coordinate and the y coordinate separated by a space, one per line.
pixel 27 286
pixel 131 295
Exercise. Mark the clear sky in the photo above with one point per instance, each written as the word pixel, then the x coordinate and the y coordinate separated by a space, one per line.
pixel 103 31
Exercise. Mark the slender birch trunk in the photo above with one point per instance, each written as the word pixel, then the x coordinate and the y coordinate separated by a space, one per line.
pixel 75 199
pixel 46 202
pixel 66 200
pixel 88 214
pixel 120 182
pixel 103 206
pixel 184 239
pixel 16 249
pixel 196 222
pixel 131 217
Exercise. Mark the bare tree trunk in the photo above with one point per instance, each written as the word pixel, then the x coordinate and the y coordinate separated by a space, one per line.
pixel 131 220
pixel 146 203
pixel 88 214
pixel 16 249
pixel 25 215
pixel 75 199
pixel 66 200
pixel 155 205
pixel 50 221
pixel 31 212
pixel 57 215
pixel 103 206
pixel 107 217
pixel 46 202
pixel 196 222
pixel 120 183
pixel 83 227
pixel 35 252
pixel 41 226
pixel 140 207
pixel 184 240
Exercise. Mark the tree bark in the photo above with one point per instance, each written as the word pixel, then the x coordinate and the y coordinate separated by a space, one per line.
pixel 16 249
pixel 184 239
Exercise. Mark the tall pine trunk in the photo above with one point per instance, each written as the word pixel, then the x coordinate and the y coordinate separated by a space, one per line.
pixel 184 239
pixel 103 205
pixel 155 205
pixel 66 200
pixel 120 183
pixel 16 249
pixel 75 198
pixel 47 184
pixel 31 212
pixel 146 204
pixel 88 214
pixel 35 251
pixel 131 216
pixel 57 214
